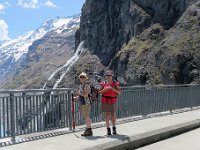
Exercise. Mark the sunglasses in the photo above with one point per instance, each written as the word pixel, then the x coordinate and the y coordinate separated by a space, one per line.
pixel 82 76
pixel 108 75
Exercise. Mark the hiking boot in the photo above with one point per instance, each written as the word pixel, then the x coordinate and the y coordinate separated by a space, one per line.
pixel 88 132
pixel 108 131
pixel 114 130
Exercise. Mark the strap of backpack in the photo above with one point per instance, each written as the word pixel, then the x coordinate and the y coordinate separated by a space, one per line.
pixel 115 83
pixel 89 85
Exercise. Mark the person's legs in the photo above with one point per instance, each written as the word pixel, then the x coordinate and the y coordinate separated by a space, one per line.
pixel 86 114
pixel 113 116
pixel 107 117
pixel 88 121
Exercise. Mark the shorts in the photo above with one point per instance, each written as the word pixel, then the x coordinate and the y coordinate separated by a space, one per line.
pixel 109 107
pixel 85 110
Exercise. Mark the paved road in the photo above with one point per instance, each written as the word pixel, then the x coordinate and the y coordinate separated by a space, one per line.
pixel 186 141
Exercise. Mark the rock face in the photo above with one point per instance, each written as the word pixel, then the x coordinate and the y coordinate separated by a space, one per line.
pixel 108 25
pixel 178 54
pixel 165 12
pixel 144 41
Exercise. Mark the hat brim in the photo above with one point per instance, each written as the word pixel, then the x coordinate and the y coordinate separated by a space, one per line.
pixel 82 75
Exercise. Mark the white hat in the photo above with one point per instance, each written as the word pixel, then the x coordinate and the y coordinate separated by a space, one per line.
pixel 83 74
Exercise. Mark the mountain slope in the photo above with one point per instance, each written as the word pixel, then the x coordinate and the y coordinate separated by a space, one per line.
pixel 159 56
pixel 144 41
pixel 28 60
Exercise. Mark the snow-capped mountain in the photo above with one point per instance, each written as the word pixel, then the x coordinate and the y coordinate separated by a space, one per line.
pixel 12 51
pixel 17 47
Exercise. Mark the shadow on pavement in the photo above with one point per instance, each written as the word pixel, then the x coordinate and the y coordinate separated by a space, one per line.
pixel 119 137
pixel 94 137
pixel 90 137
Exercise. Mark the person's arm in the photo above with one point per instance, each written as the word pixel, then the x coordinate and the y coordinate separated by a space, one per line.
pixel 84 94
pixel 116 89
pixel 76 98
pixel 103 90
pixel 76 94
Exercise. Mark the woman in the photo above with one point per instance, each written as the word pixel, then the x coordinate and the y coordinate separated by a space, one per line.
pixel 83 93
pixel 109 90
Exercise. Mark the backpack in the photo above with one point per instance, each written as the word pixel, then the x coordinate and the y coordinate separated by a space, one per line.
pixel 93 96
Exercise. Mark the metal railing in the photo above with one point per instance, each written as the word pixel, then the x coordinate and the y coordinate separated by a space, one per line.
pixel 30 111
pixel 144 100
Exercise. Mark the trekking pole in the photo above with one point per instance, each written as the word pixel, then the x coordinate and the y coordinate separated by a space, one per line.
pixel 73 112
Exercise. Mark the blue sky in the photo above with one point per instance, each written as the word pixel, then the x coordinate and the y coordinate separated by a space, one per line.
pixel 20 16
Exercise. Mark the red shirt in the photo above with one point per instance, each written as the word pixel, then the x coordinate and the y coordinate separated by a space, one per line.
pixel 109 96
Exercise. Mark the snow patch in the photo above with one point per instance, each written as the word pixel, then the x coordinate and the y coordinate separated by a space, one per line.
pixel 17 47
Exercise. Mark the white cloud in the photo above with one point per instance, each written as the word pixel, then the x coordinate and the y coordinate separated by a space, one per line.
pixel 35 3
pixel 2 8
pixel 3 30
pixel 50 4
pixel 28 3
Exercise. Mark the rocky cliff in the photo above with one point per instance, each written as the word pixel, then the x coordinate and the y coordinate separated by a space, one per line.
pixel 144 41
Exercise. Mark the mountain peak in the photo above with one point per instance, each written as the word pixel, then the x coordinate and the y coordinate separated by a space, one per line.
pixel 13 50
pixel 57 22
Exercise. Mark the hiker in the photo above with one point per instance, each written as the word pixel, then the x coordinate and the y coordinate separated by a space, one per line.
pixel 109 90
pixel 83 93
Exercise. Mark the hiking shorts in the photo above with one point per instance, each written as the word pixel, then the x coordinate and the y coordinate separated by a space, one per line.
pixel 85 110
pixel 112 108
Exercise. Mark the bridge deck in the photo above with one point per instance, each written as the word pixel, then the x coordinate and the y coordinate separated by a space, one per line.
pixel 130 133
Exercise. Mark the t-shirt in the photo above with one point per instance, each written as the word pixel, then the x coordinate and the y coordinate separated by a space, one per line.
pixel 86 88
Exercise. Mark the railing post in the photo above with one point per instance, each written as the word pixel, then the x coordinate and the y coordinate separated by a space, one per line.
pixel 191 98
pixel 73 112
pixel 69 108
pixel 170 100
pixel 12 118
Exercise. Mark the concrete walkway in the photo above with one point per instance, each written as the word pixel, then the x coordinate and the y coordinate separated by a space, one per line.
pixel 186 141
pixel 130 135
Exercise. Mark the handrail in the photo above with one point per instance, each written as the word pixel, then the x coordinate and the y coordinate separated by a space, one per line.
pixel 34 90
pixel 157 86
